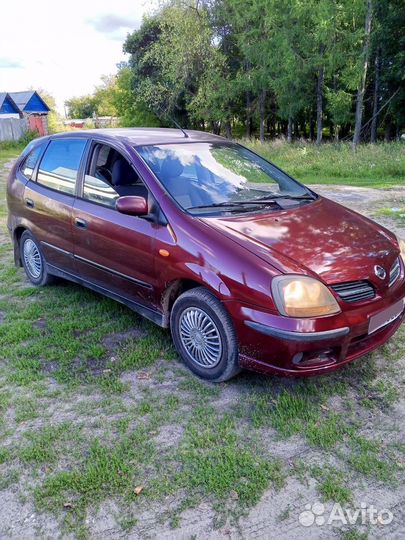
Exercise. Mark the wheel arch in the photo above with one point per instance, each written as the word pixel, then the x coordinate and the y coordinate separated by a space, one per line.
pixel 172 292
pixel 178 286
pixel 17 233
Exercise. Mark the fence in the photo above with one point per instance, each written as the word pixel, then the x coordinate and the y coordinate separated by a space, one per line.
pixel 12 129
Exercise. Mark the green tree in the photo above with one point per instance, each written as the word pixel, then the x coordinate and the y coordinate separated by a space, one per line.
pixel 170 54
pixel 131 110
pixel 258 65
pixel 55 122
pixel 82 106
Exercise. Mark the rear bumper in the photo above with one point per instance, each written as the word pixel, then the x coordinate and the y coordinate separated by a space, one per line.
pixel 272 344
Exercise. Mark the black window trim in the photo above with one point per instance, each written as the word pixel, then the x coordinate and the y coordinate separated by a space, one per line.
pixel 79 170
pixel 33 178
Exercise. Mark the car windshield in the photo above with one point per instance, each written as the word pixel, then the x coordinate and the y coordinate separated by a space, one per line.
pixel 221 177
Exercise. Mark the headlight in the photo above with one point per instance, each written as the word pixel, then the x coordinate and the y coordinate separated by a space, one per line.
pixel 401 248
pixel 302 296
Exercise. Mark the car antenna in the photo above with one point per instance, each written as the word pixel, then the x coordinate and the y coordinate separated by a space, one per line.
pixel 159 114
pixel 178 126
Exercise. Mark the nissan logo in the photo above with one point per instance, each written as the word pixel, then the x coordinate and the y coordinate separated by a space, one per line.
pixel 379 271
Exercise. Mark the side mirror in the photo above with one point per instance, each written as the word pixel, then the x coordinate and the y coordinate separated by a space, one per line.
pixel 132 205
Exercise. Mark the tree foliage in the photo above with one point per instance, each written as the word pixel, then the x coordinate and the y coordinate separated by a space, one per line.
pixel 262 66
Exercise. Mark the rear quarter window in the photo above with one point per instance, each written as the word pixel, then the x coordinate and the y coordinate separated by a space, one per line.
pixel 28 164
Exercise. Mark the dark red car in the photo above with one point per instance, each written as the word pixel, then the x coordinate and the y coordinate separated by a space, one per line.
pixel 248 267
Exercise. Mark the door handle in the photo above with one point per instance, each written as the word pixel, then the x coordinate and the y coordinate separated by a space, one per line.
pixel 29 203
pixel 80 223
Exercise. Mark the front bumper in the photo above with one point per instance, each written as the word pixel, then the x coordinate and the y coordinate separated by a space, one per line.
pixel 273 344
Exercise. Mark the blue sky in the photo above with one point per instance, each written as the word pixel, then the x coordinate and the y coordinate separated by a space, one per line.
pixel 64 47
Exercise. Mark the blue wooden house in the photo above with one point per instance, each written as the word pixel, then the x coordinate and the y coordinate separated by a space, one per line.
pixel 7 105
pixel 33 108
pixel 29 102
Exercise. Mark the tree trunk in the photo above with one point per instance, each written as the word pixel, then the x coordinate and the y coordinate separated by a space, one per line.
pixel 388 130
pixel 248 115
pixel 362 85
pixel 262 106
pixel 376 96
pixel 289 129
pixel 228 129
pixel 215 127
pixel 311 128
pixel 270 126
pixel 319 104
pixel 336 130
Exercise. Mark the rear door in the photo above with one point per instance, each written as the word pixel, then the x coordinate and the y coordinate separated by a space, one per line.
pixel 48 200
pixel 112 250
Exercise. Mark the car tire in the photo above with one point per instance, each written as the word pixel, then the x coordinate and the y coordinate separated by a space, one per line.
pixel 33 260
pixel 204 335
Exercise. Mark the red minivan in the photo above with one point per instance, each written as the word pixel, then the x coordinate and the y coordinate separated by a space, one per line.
pixel 248 267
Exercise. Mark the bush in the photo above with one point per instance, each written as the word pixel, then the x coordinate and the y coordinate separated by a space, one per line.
pixel 28 136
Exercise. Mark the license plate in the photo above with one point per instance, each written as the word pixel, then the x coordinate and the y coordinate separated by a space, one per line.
pixel 386 316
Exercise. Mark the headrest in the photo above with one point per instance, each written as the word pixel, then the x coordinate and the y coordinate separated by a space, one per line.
pixel 171 168
pixel 122 174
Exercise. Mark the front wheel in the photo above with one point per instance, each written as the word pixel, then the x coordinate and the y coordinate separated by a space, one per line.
pixel 33 261
pixel 204 335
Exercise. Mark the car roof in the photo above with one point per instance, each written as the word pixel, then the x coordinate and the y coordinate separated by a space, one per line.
pixel 143 136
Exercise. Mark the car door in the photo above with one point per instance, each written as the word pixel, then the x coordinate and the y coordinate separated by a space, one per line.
pixel 49 197
pixel 112 250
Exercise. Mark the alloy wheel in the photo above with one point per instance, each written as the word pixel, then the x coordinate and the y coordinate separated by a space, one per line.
pixel 200 337
pixel 32 258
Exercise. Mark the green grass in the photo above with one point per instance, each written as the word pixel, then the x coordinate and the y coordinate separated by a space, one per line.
pixel 59 356
pixel 26 409
pixel 333 487
pixel 5 455
pixel 379 165
pixel 10 150
pixel 105 471
pixel 353 534
pixel 328 431
pixel 396 213
pixel 45 445
pixel 217 462
pixel 370 458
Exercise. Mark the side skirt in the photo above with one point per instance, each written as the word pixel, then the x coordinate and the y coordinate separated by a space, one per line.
pixel 147 312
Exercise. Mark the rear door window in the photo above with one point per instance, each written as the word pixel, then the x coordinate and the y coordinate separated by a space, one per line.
pixel 60 165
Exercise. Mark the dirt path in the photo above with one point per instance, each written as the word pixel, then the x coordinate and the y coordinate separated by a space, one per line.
pixel 367 201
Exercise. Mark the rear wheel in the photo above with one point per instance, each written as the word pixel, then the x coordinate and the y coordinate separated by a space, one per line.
pixel 33 261
pixel 204 335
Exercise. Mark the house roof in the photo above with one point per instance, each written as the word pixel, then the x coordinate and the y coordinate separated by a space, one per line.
pixel 7 104
pixel 29 101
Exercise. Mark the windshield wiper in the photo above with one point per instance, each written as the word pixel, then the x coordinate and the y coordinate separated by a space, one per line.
pixel 280 196
pixel 232 204
pixel 261 201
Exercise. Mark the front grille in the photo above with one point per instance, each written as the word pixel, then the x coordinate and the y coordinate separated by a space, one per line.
pixel 354 291
pixel 395 272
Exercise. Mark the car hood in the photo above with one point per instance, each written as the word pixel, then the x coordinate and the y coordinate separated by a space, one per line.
pixel 320 238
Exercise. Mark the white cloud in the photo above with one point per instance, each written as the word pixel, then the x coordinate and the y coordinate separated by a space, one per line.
pixel 111 23
pixel 64 48
pixel 9 63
